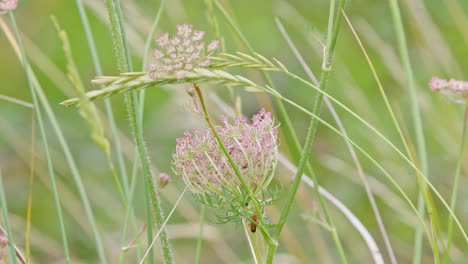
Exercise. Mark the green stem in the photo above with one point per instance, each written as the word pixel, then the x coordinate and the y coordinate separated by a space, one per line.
pixel 124 63
pixel 130 199
pixel 141 102
pixel 326 67
pixel 255 242
pixel 40 122
pixel 110 115
pixel 455 188
pixel 200 236
pixel 416 115
pixel 3 203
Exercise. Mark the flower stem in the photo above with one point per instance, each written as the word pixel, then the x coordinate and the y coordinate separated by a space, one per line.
pixel 200 236
pixel 455 188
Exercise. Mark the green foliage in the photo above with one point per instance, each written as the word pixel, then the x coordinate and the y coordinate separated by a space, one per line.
pixel 232 208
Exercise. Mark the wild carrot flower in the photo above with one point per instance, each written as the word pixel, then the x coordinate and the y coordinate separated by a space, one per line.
pixel 204 167
pixel 181 53
pixel 455 90
pixel 8 5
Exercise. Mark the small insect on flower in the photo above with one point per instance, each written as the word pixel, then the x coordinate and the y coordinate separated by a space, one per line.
pixel 253 227
pixel 455 90
pixel 181 53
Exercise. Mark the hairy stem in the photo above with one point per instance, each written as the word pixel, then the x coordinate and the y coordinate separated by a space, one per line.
pixel 124 63
pixel 110 116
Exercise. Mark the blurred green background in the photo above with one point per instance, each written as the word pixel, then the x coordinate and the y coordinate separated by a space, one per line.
pixel 437 39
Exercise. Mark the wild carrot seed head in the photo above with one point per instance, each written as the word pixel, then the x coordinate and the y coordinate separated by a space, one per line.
pixel 181 53
pixel 455 90
pixel 8 5
pixel 201 163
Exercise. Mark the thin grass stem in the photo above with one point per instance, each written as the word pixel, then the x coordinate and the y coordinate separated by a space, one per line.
pixel 326 68
pixel 50 167
pixel 453 200
pixel 364 180
pixel 62 142
pixel 163 226
pixel 416 115
pixel 249 241
pixel 11 243
pixel 200 236
pixel 31 184
pixel 16 101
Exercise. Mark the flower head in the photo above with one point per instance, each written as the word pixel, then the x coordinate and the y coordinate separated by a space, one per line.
pixel 181 53
pixel 453 89
pixel 8 5
pixel 200 161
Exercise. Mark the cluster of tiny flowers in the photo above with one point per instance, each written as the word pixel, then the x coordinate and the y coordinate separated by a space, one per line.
pixel 181 53
pixel 200 161
pixel 454 89
pixel 8 5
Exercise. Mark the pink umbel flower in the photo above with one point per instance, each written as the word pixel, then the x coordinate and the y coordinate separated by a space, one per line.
pixel 181 53
pixel 8 5
pixel 455 90
pixel 204 167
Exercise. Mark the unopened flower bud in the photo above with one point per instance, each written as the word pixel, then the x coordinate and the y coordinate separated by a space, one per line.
pixel 163 180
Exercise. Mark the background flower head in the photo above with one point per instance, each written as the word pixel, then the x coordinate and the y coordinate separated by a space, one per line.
pixel 455 90
pixel 253 147
pixel 181 53
pixel 8 5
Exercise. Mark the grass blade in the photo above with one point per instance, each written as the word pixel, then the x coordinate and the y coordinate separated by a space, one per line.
pixel 7 222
